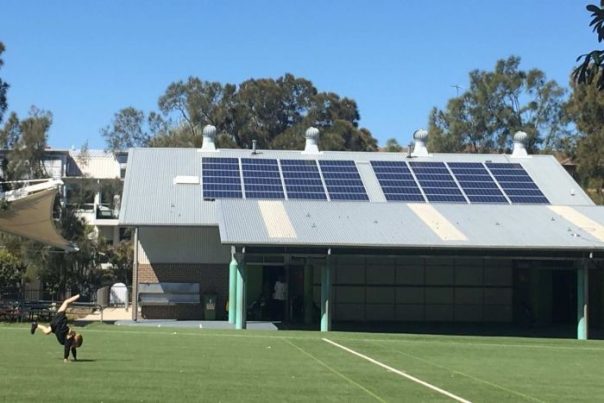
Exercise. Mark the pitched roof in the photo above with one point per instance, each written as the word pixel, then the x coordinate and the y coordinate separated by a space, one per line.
pixel 162 187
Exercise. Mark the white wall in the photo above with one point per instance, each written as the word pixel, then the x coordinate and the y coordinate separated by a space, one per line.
pixel 181 245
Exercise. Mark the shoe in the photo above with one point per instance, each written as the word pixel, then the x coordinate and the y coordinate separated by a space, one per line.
pixel 34 326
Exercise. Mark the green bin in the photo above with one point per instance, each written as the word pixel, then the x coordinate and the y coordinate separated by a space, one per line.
pixel 209 306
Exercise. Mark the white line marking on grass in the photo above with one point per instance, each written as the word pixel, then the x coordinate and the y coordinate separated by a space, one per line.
pixel 401 373
pixel 528 397
pixel 341 375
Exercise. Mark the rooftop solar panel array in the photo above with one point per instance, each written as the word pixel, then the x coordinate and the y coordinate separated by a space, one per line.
pixel 261 179
pixel 413 181
pixel 436 182
pixel 342 180
pixel 516 183
pixel 302 180
pixel 476 182
pixel 221 178
pixel 396 180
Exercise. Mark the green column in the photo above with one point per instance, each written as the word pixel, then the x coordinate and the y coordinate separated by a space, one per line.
pixel 308 299
pixel 233 289
pixel 326 296
pixel 582 300
pixel 240 319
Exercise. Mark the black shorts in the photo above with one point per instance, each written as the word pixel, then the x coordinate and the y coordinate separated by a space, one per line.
pixel 59 323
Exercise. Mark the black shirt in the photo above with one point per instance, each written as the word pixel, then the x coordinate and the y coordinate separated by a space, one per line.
pixel 59 327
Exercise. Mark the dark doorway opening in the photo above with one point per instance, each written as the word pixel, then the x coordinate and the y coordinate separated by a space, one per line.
pixel 564 296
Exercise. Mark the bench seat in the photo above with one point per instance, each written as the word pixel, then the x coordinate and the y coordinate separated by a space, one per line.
pixel 167 294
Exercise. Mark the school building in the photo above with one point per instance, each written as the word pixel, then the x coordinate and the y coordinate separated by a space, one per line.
pixel 365 237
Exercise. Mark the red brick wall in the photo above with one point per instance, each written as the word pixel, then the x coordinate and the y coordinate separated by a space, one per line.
pixel 212 278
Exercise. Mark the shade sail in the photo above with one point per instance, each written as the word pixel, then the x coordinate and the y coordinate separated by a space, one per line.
pixel 30 216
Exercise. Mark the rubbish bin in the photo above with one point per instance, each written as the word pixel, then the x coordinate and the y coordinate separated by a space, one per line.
pixel 102 296
pixel 209 306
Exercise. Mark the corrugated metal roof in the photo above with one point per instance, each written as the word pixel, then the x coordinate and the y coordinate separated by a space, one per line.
pixel 150 195
pixel 398 225
pixel 152 198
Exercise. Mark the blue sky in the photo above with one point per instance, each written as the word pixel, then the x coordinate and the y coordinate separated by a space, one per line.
pixel 85 60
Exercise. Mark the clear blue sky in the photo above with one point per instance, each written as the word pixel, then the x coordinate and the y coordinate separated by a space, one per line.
pixel 85 60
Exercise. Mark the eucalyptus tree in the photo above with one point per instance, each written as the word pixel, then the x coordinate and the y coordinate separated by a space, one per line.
pixel 128 128
pixel 586 109
pixel 25 142
pixel 273 112
pixel 3 87
pixel 497 104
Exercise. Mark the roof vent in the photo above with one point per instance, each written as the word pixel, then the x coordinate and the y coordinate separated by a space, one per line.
pixel 420 137
pixel 209 134
pixel 519 150
pixel 312 141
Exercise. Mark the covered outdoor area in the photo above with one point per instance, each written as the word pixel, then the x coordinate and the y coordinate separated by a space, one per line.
pixel 525 268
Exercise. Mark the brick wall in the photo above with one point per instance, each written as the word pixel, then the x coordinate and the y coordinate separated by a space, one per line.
pixel 212 278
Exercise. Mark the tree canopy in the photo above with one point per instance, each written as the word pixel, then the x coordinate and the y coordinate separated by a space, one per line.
pixel 586 109
pixel 592 63
pixel 3 87
pixel 497 104
pixel 274 112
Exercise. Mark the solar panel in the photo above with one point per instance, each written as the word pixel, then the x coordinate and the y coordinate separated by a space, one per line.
pixel 221 178
pixel 396 181
pixel 302 180
pixel 476 182
pixel 342 180
pixel 436 182
pixel 516 183
pixel 261 179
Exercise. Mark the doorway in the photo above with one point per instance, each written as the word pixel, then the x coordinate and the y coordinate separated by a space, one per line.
pixel 564 296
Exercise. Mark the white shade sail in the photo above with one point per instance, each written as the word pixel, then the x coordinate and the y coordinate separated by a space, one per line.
pixel 30 216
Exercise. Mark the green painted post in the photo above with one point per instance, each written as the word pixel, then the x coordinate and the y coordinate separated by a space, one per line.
pixel 308 303
pixel 233 290
pixel 582 300
pixel 240 319
pixel 325 296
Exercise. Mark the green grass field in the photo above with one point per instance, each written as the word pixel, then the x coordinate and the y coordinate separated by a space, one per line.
pixel 163 364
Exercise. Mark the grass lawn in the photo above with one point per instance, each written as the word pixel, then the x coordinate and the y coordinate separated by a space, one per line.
pixel 162 364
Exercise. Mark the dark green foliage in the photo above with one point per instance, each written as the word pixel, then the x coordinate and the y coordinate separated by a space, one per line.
pixel 497 104
pixel 3 87
pixel 127 130
pixel 586 109
pixel 274 112
pixel 392 146
pixel 11 270
pixel 593 62
pixel 25 141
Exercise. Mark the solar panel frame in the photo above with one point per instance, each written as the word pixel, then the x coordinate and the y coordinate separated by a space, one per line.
pixel 221 178
pixel 342 180
pixel 261 178
pixel 397 182
pixel 302 179
pixel 477 183
pixel 431 176
pixel 516 183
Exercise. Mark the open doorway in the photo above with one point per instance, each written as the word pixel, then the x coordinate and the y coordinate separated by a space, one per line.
pixel 564 296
